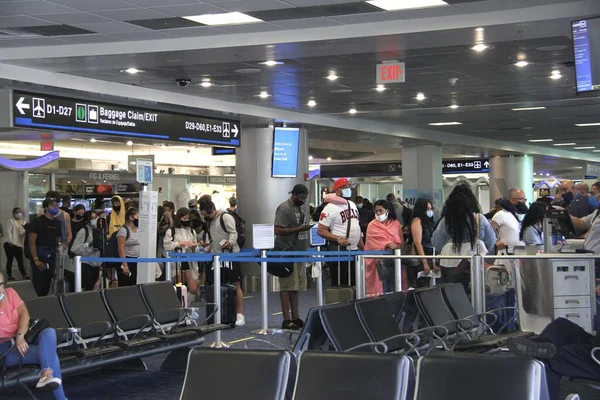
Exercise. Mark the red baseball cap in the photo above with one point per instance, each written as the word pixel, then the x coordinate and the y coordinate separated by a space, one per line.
pixel 341 182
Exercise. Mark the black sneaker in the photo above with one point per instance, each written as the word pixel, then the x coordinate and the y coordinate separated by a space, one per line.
pixel 523 346
pixel 298 323
pixel 289 325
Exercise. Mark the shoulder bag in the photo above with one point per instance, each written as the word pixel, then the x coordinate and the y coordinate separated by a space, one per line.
pixel 333 246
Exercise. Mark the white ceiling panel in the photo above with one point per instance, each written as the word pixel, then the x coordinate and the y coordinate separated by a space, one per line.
pixel 150 35
pixel 190 9
pixel 253 5
pixel 430 12
pixel 33 7
pixel 94 5
pixel 85 39
pixel 306 23
pixel 21 20
pixel 109 28
pixel 199 31
pixel 73 18
pixel 250 28
pixel 132 14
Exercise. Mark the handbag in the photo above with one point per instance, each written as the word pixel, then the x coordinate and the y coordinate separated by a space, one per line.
pixel 385 268
pixel 497 277
pixel 408 249
pixel 36 326
pixel 280 269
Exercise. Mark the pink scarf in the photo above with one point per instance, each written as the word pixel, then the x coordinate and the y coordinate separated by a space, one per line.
pixel 334 199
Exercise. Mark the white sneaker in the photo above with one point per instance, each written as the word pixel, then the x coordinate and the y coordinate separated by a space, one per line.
pixel 48 382
pixel 240 320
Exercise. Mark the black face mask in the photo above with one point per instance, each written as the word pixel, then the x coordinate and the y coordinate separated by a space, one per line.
pixel 116 208
pixel 521 208
pixel 185 223
pixel 568 196
pixel 196 223
pixel 136 222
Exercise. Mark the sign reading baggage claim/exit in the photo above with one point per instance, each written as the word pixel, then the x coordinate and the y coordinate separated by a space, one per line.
pixel 75 115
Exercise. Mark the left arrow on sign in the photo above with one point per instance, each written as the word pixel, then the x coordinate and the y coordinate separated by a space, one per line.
pixel 235 130
pixel 22 106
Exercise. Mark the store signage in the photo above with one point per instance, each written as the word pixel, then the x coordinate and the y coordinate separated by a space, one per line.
pixel 285 152
pixel 47 145
pixel 391 72
pixel 144 171
pixel 75 115
pixel 223 151
pixel 465 166
pixel 222 180
pixel 19 165
pixel 592 169
pixel 361 170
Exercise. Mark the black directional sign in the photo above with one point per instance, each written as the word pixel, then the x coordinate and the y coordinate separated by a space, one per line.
pixel 464 166
pixel 74 115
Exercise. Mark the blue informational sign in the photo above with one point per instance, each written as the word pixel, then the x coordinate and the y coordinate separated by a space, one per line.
pixel 583 53
pixel 315 239
pixel 285 152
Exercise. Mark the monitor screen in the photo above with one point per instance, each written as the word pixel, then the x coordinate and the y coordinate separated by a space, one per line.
pixel 586 45
pixel 285 152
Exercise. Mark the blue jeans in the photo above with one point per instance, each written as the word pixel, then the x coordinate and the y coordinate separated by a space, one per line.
pixel 43 352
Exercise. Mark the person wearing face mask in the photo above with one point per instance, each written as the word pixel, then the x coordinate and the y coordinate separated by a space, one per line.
pixel 421 231
pixel 365 215
pixel 507 221
pixel 128 244
pixel 13 246
pixel 339 225
pixel 568 191
pixel 581 204
pixel 45 233
pixel 182 236
pixel 82 245
pixel 116 219
pixel 383 233
pixel 291 234
pixel 531 227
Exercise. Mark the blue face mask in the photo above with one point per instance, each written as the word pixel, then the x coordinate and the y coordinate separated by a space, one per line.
pixel 429 213
pixel 53 211
pixel 347 193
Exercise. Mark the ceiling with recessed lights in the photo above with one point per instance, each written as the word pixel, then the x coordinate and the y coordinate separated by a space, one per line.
pixel 479 74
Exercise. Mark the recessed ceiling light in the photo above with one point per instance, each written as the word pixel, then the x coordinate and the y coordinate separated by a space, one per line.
pixel 310 157
pixel 132 71
pixel 93 140
pixel 454 106
pixel 271 63
pixel 445 123
pixel 591 124
pixel 328 158
pixel 479 47
pixel 521 63
pixel 584 147
pixel 595 151
pixel 420 97
pixel 68 181
pixel 548 174
pixel 541 140
pixel 535 173
pixel 206 83
pixel 332 76
pixel 311 103
pixel 394 5
pixel 231 18
pixel 129 143
pixel 556 75
pixel 528 108
pixel 380 88
pixel 564 144
pixel 264 95
pixel 352 111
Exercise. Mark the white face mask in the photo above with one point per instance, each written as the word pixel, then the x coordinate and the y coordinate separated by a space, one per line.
pixel 382 217
pixel 94 223
pixel 430 213
pixel 347 193
pixel 359 206
pixel 18 215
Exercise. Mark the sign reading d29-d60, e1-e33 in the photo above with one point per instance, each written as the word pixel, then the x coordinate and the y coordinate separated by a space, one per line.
pixel 74 115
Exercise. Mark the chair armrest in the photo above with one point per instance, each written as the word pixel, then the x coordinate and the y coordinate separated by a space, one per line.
pixel 440 339
pixel 482 320
pixel 594 357
pixel 412 335
pixel 377 346
pixel 461 333
pixel 572 397
pixel 186 312
pixel 121 331
pixel 263 342
pixel 212 314
pixel 13 343
pixel 109 329
pixel 514 318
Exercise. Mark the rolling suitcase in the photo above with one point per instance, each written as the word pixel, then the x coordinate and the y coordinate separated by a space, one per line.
pixel 228 304
pixel 341 294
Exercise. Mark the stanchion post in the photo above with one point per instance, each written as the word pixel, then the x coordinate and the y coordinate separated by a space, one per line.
pixel 218 344
pixel 478 284
pixel 319 280
pixel 264 301
pixel 360 278
pixel 168 272
pixel 77 267
pixel 398 271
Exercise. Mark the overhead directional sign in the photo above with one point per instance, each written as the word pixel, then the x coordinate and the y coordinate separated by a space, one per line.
pixel 464 166
pixel 74 115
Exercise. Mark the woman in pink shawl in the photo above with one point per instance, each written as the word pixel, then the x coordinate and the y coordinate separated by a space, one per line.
pixel 383 233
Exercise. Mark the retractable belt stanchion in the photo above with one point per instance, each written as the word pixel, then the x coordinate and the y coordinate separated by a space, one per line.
pixel 264 301
pixel 478 284
pixel 398 271
pixel 319 265
pixel 360 277
pixel 77 267
pixel 168 272
pixel 218 344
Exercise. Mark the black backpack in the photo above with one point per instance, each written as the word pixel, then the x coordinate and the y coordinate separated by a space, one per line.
pixel 112 248
pixel 87 235
pixel 240 227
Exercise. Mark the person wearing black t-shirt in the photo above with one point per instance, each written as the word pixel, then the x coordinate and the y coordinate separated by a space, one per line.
pixel 44 235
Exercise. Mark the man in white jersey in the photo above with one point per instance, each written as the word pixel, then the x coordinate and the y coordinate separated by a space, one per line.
pixel 339 225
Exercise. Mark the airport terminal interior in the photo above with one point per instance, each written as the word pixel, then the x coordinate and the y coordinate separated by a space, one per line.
pixel 299 122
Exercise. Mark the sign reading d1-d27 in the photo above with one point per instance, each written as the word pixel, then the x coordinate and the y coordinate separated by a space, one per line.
pixel 43 111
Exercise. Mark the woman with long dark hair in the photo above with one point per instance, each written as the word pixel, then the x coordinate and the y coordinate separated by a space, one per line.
pixel 383 233
pixel 128 244
pixel 457 234
pixel 531 226
pixel 421 230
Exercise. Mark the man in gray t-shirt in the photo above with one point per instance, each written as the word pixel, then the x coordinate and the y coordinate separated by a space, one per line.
pixel 291 234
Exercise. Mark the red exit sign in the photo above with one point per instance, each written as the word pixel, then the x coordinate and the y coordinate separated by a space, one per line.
pixel 47 145
pixel 391 72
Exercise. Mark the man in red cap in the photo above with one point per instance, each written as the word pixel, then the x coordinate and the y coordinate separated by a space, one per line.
pixel 339 225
